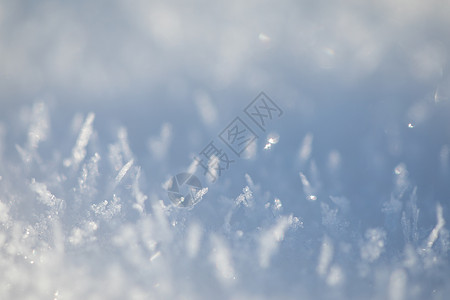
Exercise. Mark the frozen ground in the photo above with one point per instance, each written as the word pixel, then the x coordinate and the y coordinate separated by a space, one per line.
pixel 346 195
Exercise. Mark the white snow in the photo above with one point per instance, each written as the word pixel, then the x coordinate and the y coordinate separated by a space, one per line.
pixel 79 150
pixel 345 196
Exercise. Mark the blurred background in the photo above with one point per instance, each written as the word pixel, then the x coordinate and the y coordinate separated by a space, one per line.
pixel 107 100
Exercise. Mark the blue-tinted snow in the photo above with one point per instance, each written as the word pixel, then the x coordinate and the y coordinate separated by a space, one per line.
pixel 345 196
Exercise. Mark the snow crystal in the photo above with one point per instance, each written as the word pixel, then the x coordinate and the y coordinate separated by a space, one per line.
pixel 329 215
pixel 306 148
pixel 307 189
pixel 107 209
pixel 440 224
pixel 44 195
pixel 206 108
pixel 89 175
pixel 277 205
pixel 411 258
pixel 79 151
pixel 325 257
pixel 374 244
pixel 245 198
pixel 193 239
pixel 159 145
pixel 335 276
pixel 401 179
pixel 213 169
pixel 123 171
pixel 250 182
pixel 137 193
pixel 155 256
pixel 220 257
pixel 334 160
pixel 410 218
pixel 83 234
pixel 251 151
pixel 39 127
pixel 124 145
pixel 270 239
pixel 397 284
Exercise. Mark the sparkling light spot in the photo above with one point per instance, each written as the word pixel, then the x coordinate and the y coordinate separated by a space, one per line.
pixel 272 139
pixel 277 204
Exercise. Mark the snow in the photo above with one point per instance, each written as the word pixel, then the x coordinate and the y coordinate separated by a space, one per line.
pixel 345 195
pixel 440 224
pixel 79 150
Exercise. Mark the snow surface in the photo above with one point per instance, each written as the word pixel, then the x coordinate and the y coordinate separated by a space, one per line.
pixel 344 196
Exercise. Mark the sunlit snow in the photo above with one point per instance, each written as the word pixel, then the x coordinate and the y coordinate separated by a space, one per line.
pixel 342 192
